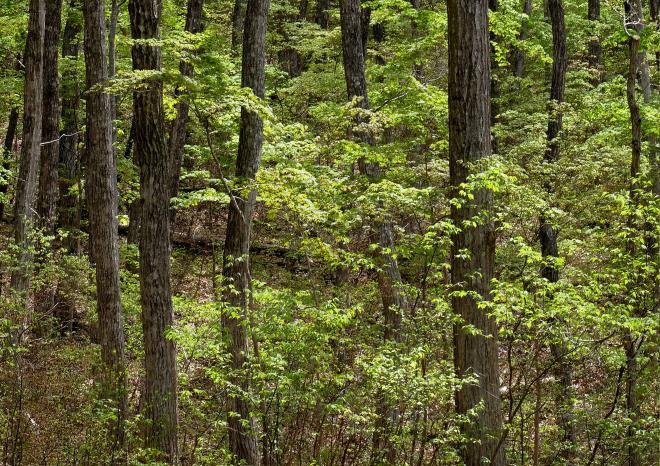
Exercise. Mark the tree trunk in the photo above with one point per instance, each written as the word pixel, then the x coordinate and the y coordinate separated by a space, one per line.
pixel 194 25
pixel 389 277
pixel 322 16
pixel 112 63
pixel 50 129
pixel 6 154
pixel 69 214
pixel 237 18
pixel 595 49
pixel 102 202
pixel 469 142
pixel 634 14
pixel 156 297
pixel 519 56
pixel 26 185
pixel 493 5
pixel 236 258
pixel 547 234
pixel 655 13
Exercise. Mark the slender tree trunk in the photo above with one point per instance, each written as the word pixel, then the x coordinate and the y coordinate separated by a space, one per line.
pixel 194 25
pixel 634 16
pixel 595 49
pixel 389 277
pixel 112 62
pixel 50 130
pixel 236 258
pixel 519 56
pixel 26 185
pixel 493 6
pixel 103 195
pixel 654 7
pixel 547 234
pixel 322 16
pixel 6 153
pixel 469 142
pixel 156 297
pixel 69 213
pixel 237 18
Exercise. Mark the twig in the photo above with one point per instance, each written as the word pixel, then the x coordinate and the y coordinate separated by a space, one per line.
pixel 60 138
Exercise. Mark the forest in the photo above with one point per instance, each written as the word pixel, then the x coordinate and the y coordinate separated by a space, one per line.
pixel 330 232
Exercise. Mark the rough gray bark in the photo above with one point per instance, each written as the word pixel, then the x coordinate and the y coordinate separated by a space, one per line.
pixel 69 213
pixel 102 201
pixel 156 297
pixel 236 256
pixel 28 172
pixel 469 142
pixel 389 278
pixel 6 152
pixel 177 142
pixel 50 129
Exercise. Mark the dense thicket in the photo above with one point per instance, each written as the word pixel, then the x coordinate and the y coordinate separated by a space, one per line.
pixel 330 232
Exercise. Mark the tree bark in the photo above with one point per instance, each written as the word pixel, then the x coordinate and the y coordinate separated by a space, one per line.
pixel 469 142
pixel 103 195
pixel 547 233
pixel 50 129
pixel 6 153
pixel 26 185
pixel 493 6
pixel 595 49
pixel 519 56
pixel 112 63
pixel 634 16
pixel 236 257
pixel 237 19
pixel 389 276
pixel 322 16
pixel 654 7
pixel 177 142
pixel 156 297
pixel 69 214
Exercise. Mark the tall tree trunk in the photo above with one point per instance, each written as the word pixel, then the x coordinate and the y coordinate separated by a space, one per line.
pixel 50 129
pixel 595 49
pixel 636 59
pixel 237 19
pixel 194 25
pixel 469 142
pixel 103 195
pixel 6 153
pixel 519 56
pixel 112 62
pixel 236 258
pixel 156 297
pixel 495 86
pixel 547 234
pixel 655 14
pixel 26 185
pixel 69 214
pixel 389 277
pixel 322 16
